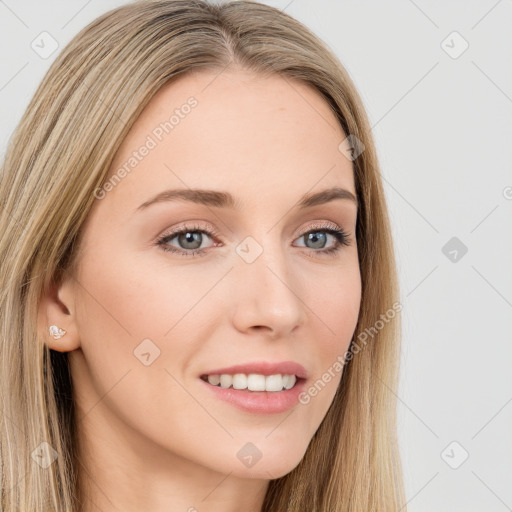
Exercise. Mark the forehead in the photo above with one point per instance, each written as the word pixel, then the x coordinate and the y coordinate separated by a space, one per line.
pixel 232 130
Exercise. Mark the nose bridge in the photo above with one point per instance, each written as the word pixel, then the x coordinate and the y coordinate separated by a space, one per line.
pixel 267 294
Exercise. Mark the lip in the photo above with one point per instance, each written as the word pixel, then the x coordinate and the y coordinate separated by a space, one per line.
pixel 264 368
pixel 260 402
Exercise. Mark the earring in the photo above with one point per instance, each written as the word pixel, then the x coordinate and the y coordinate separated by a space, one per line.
pixel 56 332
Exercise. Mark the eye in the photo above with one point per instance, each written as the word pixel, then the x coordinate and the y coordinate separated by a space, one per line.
pixel 318 239
pixel 190 239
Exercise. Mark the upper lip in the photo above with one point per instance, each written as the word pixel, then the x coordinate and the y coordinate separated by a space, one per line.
pixel 264 368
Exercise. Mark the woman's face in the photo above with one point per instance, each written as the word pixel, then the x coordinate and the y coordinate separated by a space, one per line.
pixel 153 318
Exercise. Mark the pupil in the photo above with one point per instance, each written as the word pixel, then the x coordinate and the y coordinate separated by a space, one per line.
pixel 314 237
pixel 190 237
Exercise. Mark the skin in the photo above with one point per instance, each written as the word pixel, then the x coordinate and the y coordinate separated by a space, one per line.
pixel 152 438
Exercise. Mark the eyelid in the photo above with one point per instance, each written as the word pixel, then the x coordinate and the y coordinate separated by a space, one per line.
pixel 320 224
pixel 194 226
pixel 190 226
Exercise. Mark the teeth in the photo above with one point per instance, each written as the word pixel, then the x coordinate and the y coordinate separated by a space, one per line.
pixel 291 382
pixel 214 379
pixel 256 382
pixel 239 381
pixel 225 380
pixel 253 381
pixel 274 383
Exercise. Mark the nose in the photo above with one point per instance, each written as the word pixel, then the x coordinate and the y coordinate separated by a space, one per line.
pixel 268 296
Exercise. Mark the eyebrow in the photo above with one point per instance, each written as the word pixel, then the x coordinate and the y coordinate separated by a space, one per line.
pixel 220 199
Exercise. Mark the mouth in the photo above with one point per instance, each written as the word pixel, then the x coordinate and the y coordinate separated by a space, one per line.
pixel 253 382
pixel 256 393
pixel 258 387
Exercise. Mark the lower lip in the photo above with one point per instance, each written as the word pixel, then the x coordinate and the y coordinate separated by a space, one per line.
pixel 259 402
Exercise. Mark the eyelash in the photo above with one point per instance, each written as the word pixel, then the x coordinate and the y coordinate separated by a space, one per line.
pixel 342 239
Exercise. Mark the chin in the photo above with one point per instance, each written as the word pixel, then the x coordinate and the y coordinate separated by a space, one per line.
pixel 274 465
pixel 263 471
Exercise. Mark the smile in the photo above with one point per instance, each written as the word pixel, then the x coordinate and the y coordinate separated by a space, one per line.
pixel 252 381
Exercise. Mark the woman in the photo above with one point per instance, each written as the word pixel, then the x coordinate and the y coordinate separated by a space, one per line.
pixel 253 370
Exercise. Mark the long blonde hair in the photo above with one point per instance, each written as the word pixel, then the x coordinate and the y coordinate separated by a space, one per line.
pixel 61 152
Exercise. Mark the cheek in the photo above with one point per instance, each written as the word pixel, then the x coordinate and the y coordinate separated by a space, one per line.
pixel 336 302
pixel 132 298
pixel 146 316
pixel 336 315
pixel 130 314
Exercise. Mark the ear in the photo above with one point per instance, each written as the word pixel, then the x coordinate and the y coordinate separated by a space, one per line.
pixel 57 307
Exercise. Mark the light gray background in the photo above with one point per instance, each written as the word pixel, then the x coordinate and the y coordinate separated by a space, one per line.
pixel 443 127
